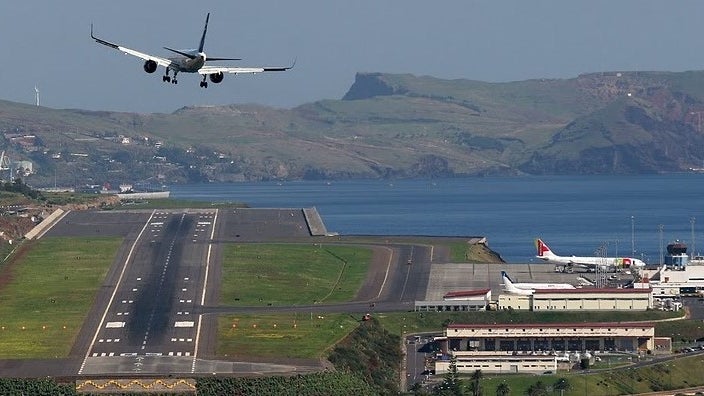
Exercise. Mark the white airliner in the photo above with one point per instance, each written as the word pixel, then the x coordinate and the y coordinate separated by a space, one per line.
pixel 189 61
pixel 527 289
pixel 588 263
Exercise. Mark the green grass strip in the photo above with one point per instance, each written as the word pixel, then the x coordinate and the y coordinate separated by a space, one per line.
pixel 295 335
pixel 291 274
pixel 46 295
pixel 675 374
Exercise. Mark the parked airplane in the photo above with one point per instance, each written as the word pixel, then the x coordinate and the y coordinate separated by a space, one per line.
pixel 188 61
pixel 528 288
pixel 588 263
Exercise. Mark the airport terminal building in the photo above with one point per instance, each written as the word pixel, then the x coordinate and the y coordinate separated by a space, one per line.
pixel 536 347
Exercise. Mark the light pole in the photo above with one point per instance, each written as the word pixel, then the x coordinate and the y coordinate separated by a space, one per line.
pixel 662 258
pixel 633 237
pixel 691 221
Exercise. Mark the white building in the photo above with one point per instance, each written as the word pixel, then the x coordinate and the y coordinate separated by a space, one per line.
pixel 499 363
pixel 673 282
pixel 588 298
pixel 467 300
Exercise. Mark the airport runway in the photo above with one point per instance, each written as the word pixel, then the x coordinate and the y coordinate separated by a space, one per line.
pixel 149 320
pixel 157 310
pixel 152 315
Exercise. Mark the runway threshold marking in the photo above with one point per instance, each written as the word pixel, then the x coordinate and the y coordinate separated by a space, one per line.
pixel 114 292
pixel 205 287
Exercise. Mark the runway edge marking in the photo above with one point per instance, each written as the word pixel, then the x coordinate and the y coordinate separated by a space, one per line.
pixel 205 288
pixel 386 275
pixel 114 292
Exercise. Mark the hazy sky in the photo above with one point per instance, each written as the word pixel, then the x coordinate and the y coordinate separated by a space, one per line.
pixel 48 43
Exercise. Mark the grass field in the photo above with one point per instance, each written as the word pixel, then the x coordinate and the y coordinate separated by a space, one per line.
pixel 674 374
pixel 46 293
pixel 291 335
pixel 282 274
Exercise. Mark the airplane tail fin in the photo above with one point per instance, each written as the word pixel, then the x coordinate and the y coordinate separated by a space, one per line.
pixel 510 288
pixel 202 45
pixel 506 280
pixel 205 30
pixel 543 249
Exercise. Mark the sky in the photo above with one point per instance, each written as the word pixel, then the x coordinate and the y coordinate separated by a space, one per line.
pixel 47 43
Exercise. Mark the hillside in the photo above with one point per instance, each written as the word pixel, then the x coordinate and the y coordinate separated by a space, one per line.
pixel 386 126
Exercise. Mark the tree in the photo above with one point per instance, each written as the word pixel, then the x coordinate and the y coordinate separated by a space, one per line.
pixel 476 386
pixel 538 389
pixel 417 389
pixel 503 389
pixel 562 385
pixel 451 383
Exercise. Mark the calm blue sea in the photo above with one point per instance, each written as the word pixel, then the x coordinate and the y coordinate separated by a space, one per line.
pixel 574 215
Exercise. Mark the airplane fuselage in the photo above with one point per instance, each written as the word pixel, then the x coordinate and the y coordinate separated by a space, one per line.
pixel 605 262
pixel 593 262
pixel 188 65
pixel 529 288
pixel 533 286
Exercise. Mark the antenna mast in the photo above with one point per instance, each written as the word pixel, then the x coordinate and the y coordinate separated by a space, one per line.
pixel 36 92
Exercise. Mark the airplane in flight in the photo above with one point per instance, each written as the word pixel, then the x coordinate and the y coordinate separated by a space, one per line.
pixel 588 263
pixel 188 61
pixel 527 289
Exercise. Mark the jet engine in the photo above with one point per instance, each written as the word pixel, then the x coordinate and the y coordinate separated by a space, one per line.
pixel 150 66
pixel 216 77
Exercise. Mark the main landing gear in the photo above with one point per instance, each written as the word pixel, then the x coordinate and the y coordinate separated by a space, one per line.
pixel 166 77
pixel 204 84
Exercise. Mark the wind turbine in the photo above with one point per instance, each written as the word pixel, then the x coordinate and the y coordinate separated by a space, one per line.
pixel 36 92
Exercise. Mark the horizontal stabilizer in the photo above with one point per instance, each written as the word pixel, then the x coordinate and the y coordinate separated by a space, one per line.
pixel 186 54
pixel 221 59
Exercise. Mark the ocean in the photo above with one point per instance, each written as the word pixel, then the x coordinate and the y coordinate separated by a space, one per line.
pixel 574 215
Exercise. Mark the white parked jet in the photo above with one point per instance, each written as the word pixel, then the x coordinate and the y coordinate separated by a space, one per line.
pixel 527 289
pixel 588 263
pixel 189 61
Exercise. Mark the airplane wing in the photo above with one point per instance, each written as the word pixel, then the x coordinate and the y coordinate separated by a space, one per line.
pixel 159 60
pixel 242 70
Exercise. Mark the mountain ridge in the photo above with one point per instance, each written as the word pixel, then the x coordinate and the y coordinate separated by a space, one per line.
pixel 385 126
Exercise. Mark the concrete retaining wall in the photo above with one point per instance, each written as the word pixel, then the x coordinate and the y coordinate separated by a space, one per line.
pixel 45 224
pixel 316 227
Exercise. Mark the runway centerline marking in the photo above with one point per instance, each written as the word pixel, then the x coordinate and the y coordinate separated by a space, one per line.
pixel 114 292
pixel 150 321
